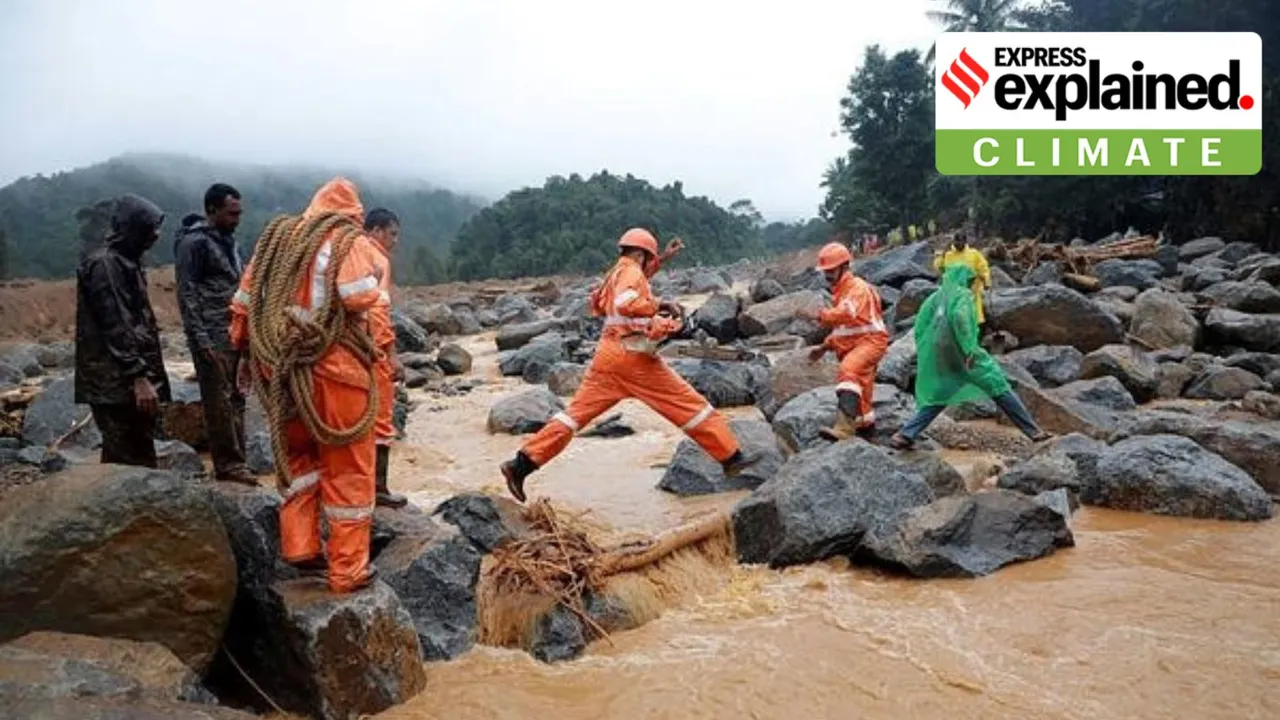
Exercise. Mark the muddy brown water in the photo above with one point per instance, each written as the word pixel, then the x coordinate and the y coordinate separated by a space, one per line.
pixel 1147 617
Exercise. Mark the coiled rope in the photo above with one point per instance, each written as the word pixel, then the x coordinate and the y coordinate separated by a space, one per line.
pixel 285 343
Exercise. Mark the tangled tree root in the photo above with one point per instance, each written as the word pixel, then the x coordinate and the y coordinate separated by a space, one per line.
pixel 557 562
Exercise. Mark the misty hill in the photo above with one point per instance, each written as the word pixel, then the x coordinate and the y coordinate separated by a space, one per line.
pixel 38 215
pixel 570 225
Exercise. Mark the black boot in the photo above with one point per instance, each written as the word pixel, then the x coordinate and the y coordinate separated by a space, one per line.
pixel 515 471
pixel 737 464
pixel 384 496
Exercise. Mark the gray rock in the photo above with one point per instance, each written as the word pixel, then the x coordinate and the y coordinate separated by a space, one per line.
pixel 897 265
pixel 454 360
pixel 524 413
pixel 818 507
pixel 1253 296
pixel 1260 364
pixel 799 422
pixel 914 293
pixel 1253 446
pixel 1224 383
pixel 1174 378
pixel 1260 333
pixel 434 571
pixel 513 337
pixel 718 316
pixel 942 478
pixel 766 289
pixel 1263 404
pixel 487 521
pixel 793 374
pixel 564 379
pixel 1044 273
pixel 121 552
pixel 1050 365
pixel 1053 315
pixel 1161 321
pixel 410 337
pixel 54 413
pixel 435 319
pixel 1140 274
pixel 726 384
pixel 898 366
pixel 1043 473
pixel 1135 370
pixel 779 316
pixel 1200 247
pixel 693 472
pixel 972 535
pixel 179 457
pixel 1171 475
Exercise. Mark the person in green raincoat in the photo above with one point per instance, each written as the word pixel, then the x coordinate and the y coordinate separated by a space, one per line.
pixel 951 366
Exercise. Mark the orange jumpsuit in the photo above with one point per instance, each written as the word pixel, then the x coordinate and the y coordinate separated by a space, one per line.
pixel 338 480
pixel 383 332
pixel 616 373
pixel 859 339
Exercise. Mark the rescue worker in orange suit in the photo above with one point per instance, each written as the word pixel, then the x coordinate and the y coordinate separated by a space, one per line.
pixel 626 365
pixel 858 337
pixel 337 480
pixel 383 227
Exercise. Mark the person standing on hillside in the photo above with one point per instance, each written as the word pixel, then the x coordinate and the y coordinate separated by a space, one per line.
pixel 626 365
pixel 961 253
pixel 383 227
pixel 860 339
pixel 208 268
pixel 120 370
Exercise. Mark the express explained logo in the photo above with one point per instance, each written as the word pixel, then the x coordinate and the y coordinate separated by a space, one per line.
pixel 971 74
pixel 1064 88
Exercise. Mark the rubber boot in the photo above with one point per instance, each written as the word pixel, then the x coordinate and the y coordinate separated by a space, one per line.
pixel 737 464
pixel 844 428
pixel 515 471
pixel 384 496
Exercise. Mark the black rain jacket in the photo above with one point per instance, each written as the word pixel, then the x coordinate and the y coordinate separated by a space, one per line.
pixel 208 269
pixel 117 337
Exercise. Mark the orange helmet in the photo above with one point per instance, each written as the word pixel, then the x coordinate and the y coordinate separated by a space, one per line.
pixel 832 256
pixel 639 238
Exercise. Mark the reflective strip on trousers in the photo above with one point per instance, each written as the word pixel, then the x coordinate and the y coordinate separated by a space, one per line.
pixel 301 484
pixel 352 513
pixel 848 386
pixel 698 419
pixel 565 420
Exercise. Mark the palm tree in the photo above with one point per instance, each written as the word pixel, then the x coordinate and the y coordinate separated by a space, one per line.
pixel 975 16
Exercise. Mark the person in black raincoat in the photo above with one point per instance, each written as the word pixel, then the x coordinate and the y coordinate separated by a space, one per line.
pixel 120 372
pixel 208 269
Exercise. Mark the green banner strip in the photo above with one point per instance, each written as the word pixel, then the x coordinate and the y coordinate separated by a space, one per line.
pixel 1099 152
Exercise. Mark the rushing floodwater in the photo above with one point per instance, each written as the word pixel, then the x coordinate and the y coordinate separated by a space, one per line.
pixel 1147 617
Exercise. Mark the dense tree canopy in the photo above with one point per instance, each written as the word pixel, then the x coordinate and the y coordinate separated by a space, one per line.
pixel 571 224
pixel 888 179
pixel 49 220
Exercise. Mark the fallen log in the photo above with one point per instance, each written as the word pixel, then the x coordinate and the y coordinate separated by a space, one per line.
pixel 1083 283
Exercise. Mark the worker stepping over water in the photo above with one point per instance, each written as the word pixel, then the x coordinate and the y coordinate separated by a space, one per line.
pixel 858 338
pixel 383 227
pixel 952 367
pixel 626 365
pixel 301 312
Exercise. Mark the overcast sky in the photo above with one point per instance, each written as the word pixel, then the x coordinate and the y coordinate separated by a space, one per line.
pixel 737 99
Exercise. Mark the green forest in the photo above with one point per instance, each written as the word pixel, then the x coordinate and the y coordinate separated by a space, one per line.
pixel 885 181
pixel 45 221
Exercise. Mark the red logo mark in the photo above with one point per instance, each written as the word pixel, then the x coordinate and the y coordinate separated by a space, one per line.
pixel 965 71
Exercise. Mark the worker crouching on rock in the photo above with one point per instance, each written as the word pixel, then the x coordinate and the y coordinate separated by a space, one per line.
pixel 383 226
pixel 301 311
pixel 859 338
pixel 626 365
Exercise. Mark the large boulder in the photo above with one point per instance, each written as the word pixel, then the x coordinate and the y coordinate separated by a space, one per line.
pixel 337 657
pixel 117 551
pixel 54 413
pixel 410 337
pixel 1050 365
pixel 1252 296
pixel 513 337
pixel 1063 412
pixel 1252 446
pixel 183 417
pixel 1053 315
pixel 1171 475
pixel 693 472
pixel 436 319
pixel 971 535
pixel 454 360
pixel 1117 272
pixel 1251 332
pixel 434 570
pixel 898 366
pixel 486 521
pixel 1223 383
pixel 1161 321
pixel 896 266
pixel 778 316
pixel 718 317
pixel 1135 370
pixel 727 384
pixel 1199 248
pixel 51 665
pixel 823 503
pixel 525 412
pixel 799 422
pixel 793 374
pixel 315 653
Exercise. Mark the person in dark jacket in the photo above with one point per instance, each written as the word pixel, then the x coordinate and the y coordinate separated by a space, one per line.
pixel 208 269
pixel 119 368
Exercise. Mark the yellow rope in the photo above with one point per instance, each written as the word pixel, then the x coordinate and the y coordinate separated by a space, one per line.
pixel 285 346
